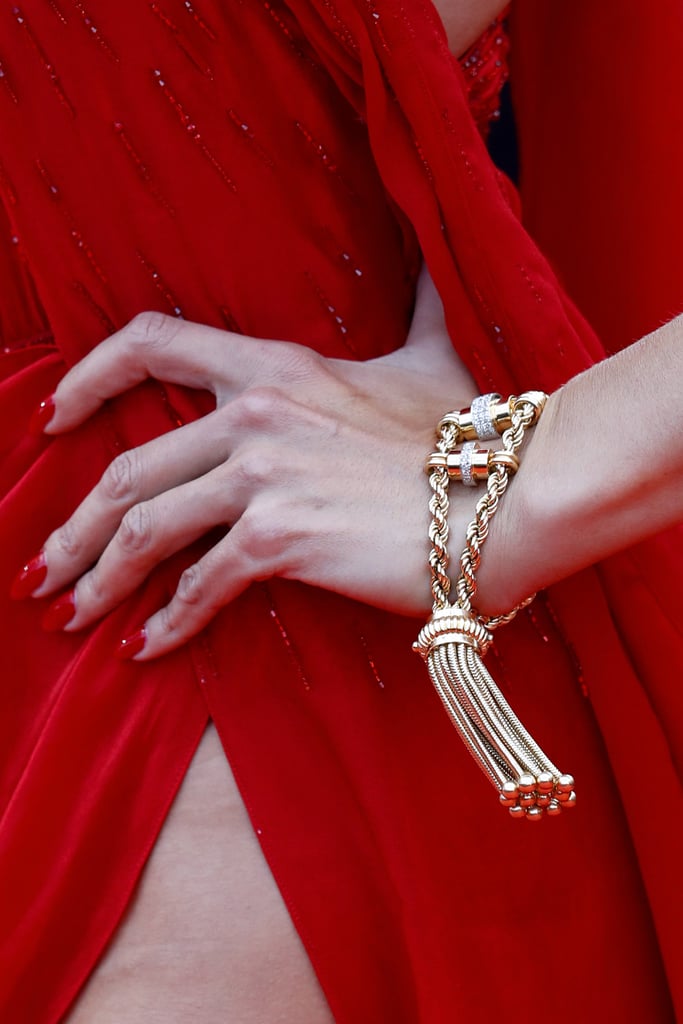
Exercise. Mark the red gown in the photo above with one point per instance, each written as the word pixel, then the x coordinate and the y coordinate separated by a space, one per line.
pixel 274 168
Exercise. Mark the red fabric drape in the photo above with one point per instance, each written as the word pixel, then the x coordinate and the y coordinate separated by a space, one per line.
pixel 160 163
pixel 600 141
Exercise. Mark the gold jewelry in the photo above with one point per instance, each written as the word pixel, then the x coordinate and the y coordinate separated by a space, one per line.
pixel 472 464
pixel 484 420
pixel 455 638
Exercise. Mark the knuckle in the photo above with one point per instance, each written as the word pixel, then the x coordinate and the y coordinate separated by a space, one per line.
pixel 67 540
pixel 170 619
pixel 255 468
pixel 249 536
pixel 263 538
pixel 190 589
pixel 135 532
pixel 120 480
pixel 191 605
pixel 261 406
pixel 296 362
pixel 277 361
pixel 152 328
pixel 92 585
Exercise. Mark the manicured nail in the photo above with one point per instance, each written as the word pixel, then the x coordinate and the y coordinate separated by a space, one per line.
pixel 42 416
pixel 29 577
pixel 132 645
pixel 60 612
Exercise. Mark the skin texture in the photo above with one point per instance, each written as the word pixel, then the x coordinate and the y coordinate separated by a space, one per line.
pixel 207 938
pixel 593 481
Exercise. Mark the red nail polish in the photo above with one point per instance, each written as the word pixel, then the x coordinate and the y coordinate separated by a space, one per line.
pixel 60 612
pixel 42 416
pixel 132 645
pixel 29 577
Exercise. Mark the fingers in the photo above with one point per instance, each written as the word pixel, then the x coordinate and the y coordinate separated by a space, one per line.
pixel 154 500
pixel 127 484
pixel 203 589
pixel 149 532
pixel 260 545
pixel 160 469
pixel 154 529
pixel 302 457
pixel 153 345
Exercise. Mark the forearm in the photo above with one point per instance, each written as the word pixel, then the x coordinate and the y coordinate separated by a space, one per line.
pixel 602 470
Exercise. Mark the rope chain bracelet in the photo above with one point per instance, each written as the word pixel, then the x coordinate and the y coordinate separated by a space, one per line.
pixel 455 638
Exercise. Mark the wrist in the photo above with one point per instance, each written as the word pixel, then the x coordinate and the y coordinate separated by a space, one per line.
pixel 541 532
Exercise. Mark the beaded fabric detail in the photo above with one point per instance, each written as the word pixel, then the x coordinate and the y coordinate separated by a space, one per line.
pixel 485 70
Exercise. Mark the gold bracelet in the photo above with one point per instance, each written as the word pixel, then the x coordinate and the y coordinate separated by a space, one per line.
pixel 455 638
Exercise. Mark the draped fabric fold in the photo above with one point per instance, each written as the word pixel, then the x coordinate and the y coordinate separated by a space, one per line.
pixel 171 170
pixel 614 125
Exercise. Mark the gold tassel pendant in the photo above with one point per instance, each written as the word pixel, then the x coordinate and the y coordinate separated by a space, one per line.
pixel 454 640
pixel 452 644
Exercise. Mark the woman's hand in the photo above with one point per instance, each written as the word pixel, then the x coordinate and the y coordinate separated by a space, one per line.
pixel 315 467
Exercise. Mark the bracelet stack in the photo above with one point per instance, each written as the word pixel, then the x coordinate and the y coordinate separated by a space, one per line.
pixel 455 639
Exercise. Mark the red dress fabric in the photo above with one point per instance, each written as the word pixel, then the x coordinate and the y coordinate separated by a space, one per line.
pixel 274 168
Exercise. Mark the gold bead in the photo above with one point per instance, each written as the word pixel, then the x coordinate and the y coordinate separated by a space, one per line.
pixel 545 782
pixel 509 790
pixel 526 783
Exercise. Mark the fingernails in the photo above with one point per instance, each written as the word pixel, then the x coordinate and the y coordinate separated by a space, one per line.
pixel 42 416
pixel 29 577
pixel 60 612
pixel 132 645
